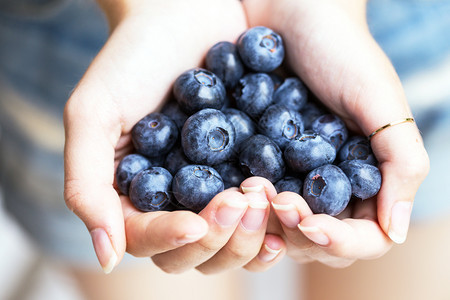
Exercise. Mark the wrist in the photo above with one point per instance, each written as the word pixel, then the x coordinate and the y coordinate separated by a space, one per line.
pixel 277 13
pixel 118 10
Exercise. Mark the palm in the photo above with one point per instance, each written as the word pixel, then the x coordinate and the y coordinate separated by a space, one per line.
pixel 330 48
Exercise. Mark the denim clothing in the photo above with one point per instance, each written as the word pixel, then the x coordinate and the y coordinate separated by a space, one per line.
pixel 45 47
pixel 415 34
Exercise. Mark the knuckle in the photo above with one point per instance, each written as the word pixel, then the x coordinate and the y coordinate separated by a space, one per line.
pixel 418 169
pixel 415 166
pixel 307 246
pixel 74 200
pixel 207 247
pixel 75 195
pixel 241 253
pixel 73 109
pixel 302 245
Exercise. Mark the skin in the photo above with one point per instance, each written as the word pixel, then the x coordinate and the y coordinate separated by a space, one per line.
pixel 114 94
pixel 111 97
pixel 329 46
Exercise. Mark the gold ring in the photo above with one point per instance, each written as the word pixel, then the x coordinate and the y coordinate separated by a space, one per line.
pixel 390 125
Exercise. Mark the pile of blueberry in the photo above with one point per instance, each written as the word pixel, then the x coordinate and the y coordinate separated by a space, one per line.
pixel 239 118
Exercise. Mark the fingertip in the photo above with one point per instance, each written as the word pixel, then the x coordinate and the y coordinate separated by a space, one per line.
pixel 323 229
pixel 258 184
pixel 272 247
pixel 290 208
pixel 104 250
pixel 272 251
pixel 225 209
pixel 400 217
pixel 151 233
pixel 193 232
pixel 187 228
pixel 315 234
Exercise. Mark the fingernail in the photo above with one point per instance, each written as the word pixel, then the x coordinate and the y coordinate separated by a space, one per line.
pixel 401 212
pixel 255 214
pixel 287 214
pixel 230 212
pixel 268 254
pixel 104 250
pixel 315 234
pixel 252 189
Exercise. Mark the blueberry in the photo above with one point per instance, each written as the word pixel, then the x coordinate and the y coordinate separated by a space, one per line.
pixel 289 184
pixel 260 156
pixel 332 128
pixel 292 93
pixel 281 124
pixel 243 125
pixel 357 148
pixel 227 103
pixel 224 61
pixel 277 80
pixel 327 190
pixel 208 137
pixel 172 109
pixel 159 160
pixel 308 151
pixel 154 135
pixel 310 112
pixel 195 185
pixel 231 174
pixel 197 89
pixel 175 160
pixel 261 49
pixel 150 189
pixel 254 93
pixel 365 179
pixel 129 167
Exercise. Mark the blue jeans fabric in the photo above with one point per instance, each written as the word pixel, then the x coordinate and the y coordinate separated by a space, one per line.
pixel 45 47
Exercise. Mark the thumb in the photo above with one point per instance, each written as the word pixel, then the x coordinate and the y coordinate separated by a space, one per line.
pixel 404 164
pixel 89 175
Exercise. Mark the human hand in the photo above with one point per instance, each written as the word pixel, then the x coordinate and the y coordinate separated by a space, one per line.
pixel 151 43
pixel 330 48
pixel 236 236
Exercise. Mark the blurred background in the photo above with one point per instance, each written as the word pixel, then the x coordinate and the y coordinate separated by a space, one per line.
pixel 416 36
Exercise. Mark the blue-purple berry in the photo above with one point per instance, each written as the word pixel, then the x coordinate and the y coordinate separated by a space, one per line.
pixel 331 127
pixel 195 185
pixel 197 89
pixel 260 156
pixel 150 190
pixel 327 190
pixel 365 179
pixel 154 135
pixel 308 151
pixel 208 137
pixel 261 49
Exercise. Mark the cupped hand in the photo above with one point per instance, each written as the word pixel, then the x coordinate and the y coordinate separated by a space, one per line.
pixel 236 236
pixel 335 241
pixel 330 48
pixel 151 43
